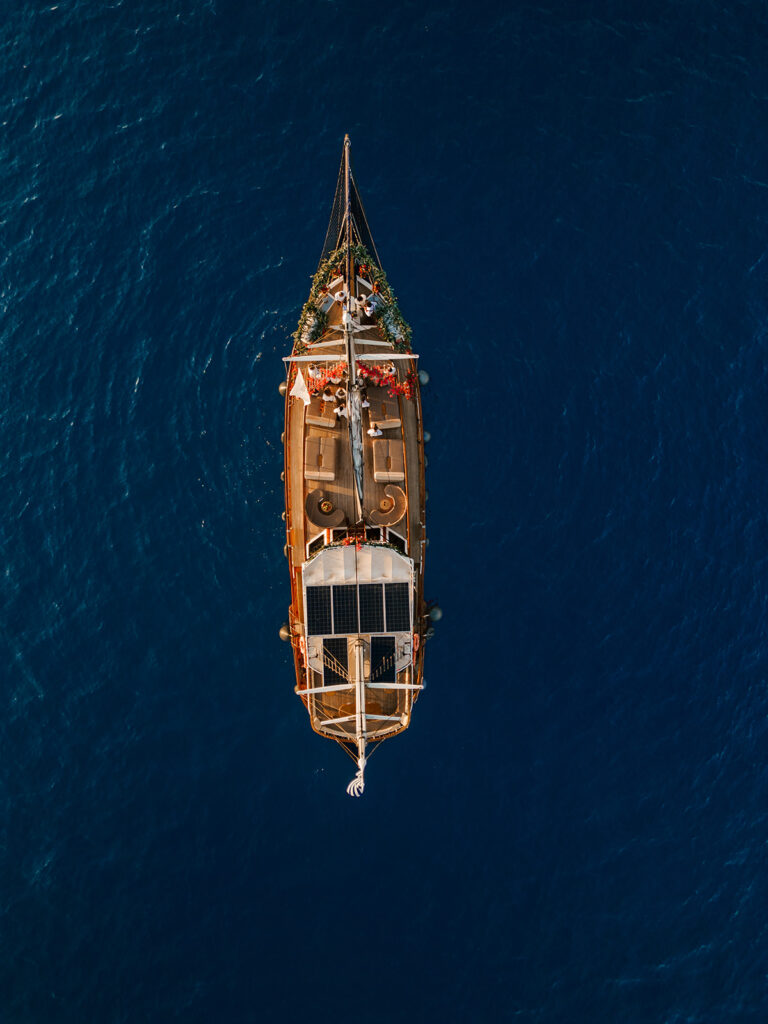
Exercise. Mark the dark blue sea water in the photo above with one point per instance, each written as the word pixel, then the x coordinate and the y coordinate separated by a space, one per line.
pixel 571 202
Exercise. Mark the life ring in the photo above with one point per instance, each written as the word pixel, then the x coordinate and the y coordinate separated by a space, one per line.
pixel 415 642
pixel 303 646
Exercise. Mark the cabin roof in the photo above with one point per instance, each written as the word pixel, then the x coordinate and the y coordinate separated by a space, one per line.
pixel 345 564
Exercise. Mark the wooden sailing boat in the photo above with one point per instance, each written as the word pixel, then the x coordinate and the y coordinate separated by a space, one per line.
pixel 354 495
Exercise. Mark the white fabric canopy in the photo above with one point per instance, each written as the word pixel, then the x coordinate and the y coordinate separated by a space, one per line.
pixel 345 564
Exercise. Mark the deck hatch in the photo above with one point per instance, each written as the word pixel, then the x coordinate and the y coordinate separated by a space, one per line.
pixel 335 665
pixel 398 610
pixel 345 609
pixel 382 659
pixel 318 611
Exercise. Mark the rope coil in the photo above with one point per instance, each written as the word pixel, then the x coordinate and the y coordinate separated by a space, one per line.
pixel 357 785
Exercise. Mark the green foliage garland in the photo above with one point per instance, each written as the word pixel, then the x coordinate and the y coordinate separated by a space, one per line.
pixel 387 314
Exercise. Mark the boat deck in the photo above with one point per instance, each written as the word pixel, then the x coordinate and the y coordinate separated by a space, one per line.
pixel 317 446
pixel 321 494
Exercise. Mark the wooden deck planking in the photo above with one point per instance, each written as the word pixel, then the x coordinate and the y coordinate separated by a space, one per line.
pixel 341 490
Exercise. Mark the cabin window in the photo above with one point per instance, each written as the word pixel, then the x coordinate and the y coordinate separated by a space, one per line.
pixel 371 608
pixel 398 610
pixel 335 665
pixel 318 611
pixel 382 659
pixel 316 544
pixel 373 533
pixel 396 541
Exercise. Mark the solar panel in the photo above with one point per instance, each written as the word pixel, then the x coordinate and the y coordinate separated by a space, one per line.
pixel 382 659
pixel 398 611
pixel 373 600
pixel 334 661
pixel 371 608
pixel 318 610
pixel 345 609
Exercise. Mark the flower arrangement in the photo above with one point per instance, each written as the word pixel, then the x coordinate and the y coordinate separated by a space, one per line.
pixel 315 385
pixel 405 387
pixel 376 375
pixel 381 378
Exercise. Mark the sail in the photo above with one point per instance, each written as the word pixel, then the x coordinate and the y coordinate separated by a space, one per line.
pixel 355 417
pixel 300 390
pixel 334 237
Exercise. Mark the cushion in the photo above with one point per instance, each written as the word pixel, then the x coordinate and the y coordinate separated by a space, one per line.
pixel 384 410
pixel 320 458
pixel 321 414
pixel 388 463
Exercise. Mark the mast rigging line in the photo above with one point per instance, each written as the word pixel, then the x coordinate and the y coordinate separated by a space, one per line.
pixel 359 220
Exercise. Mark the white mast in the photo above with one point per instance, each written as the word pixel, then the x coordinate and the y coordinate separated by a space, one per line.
pixel 357 785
